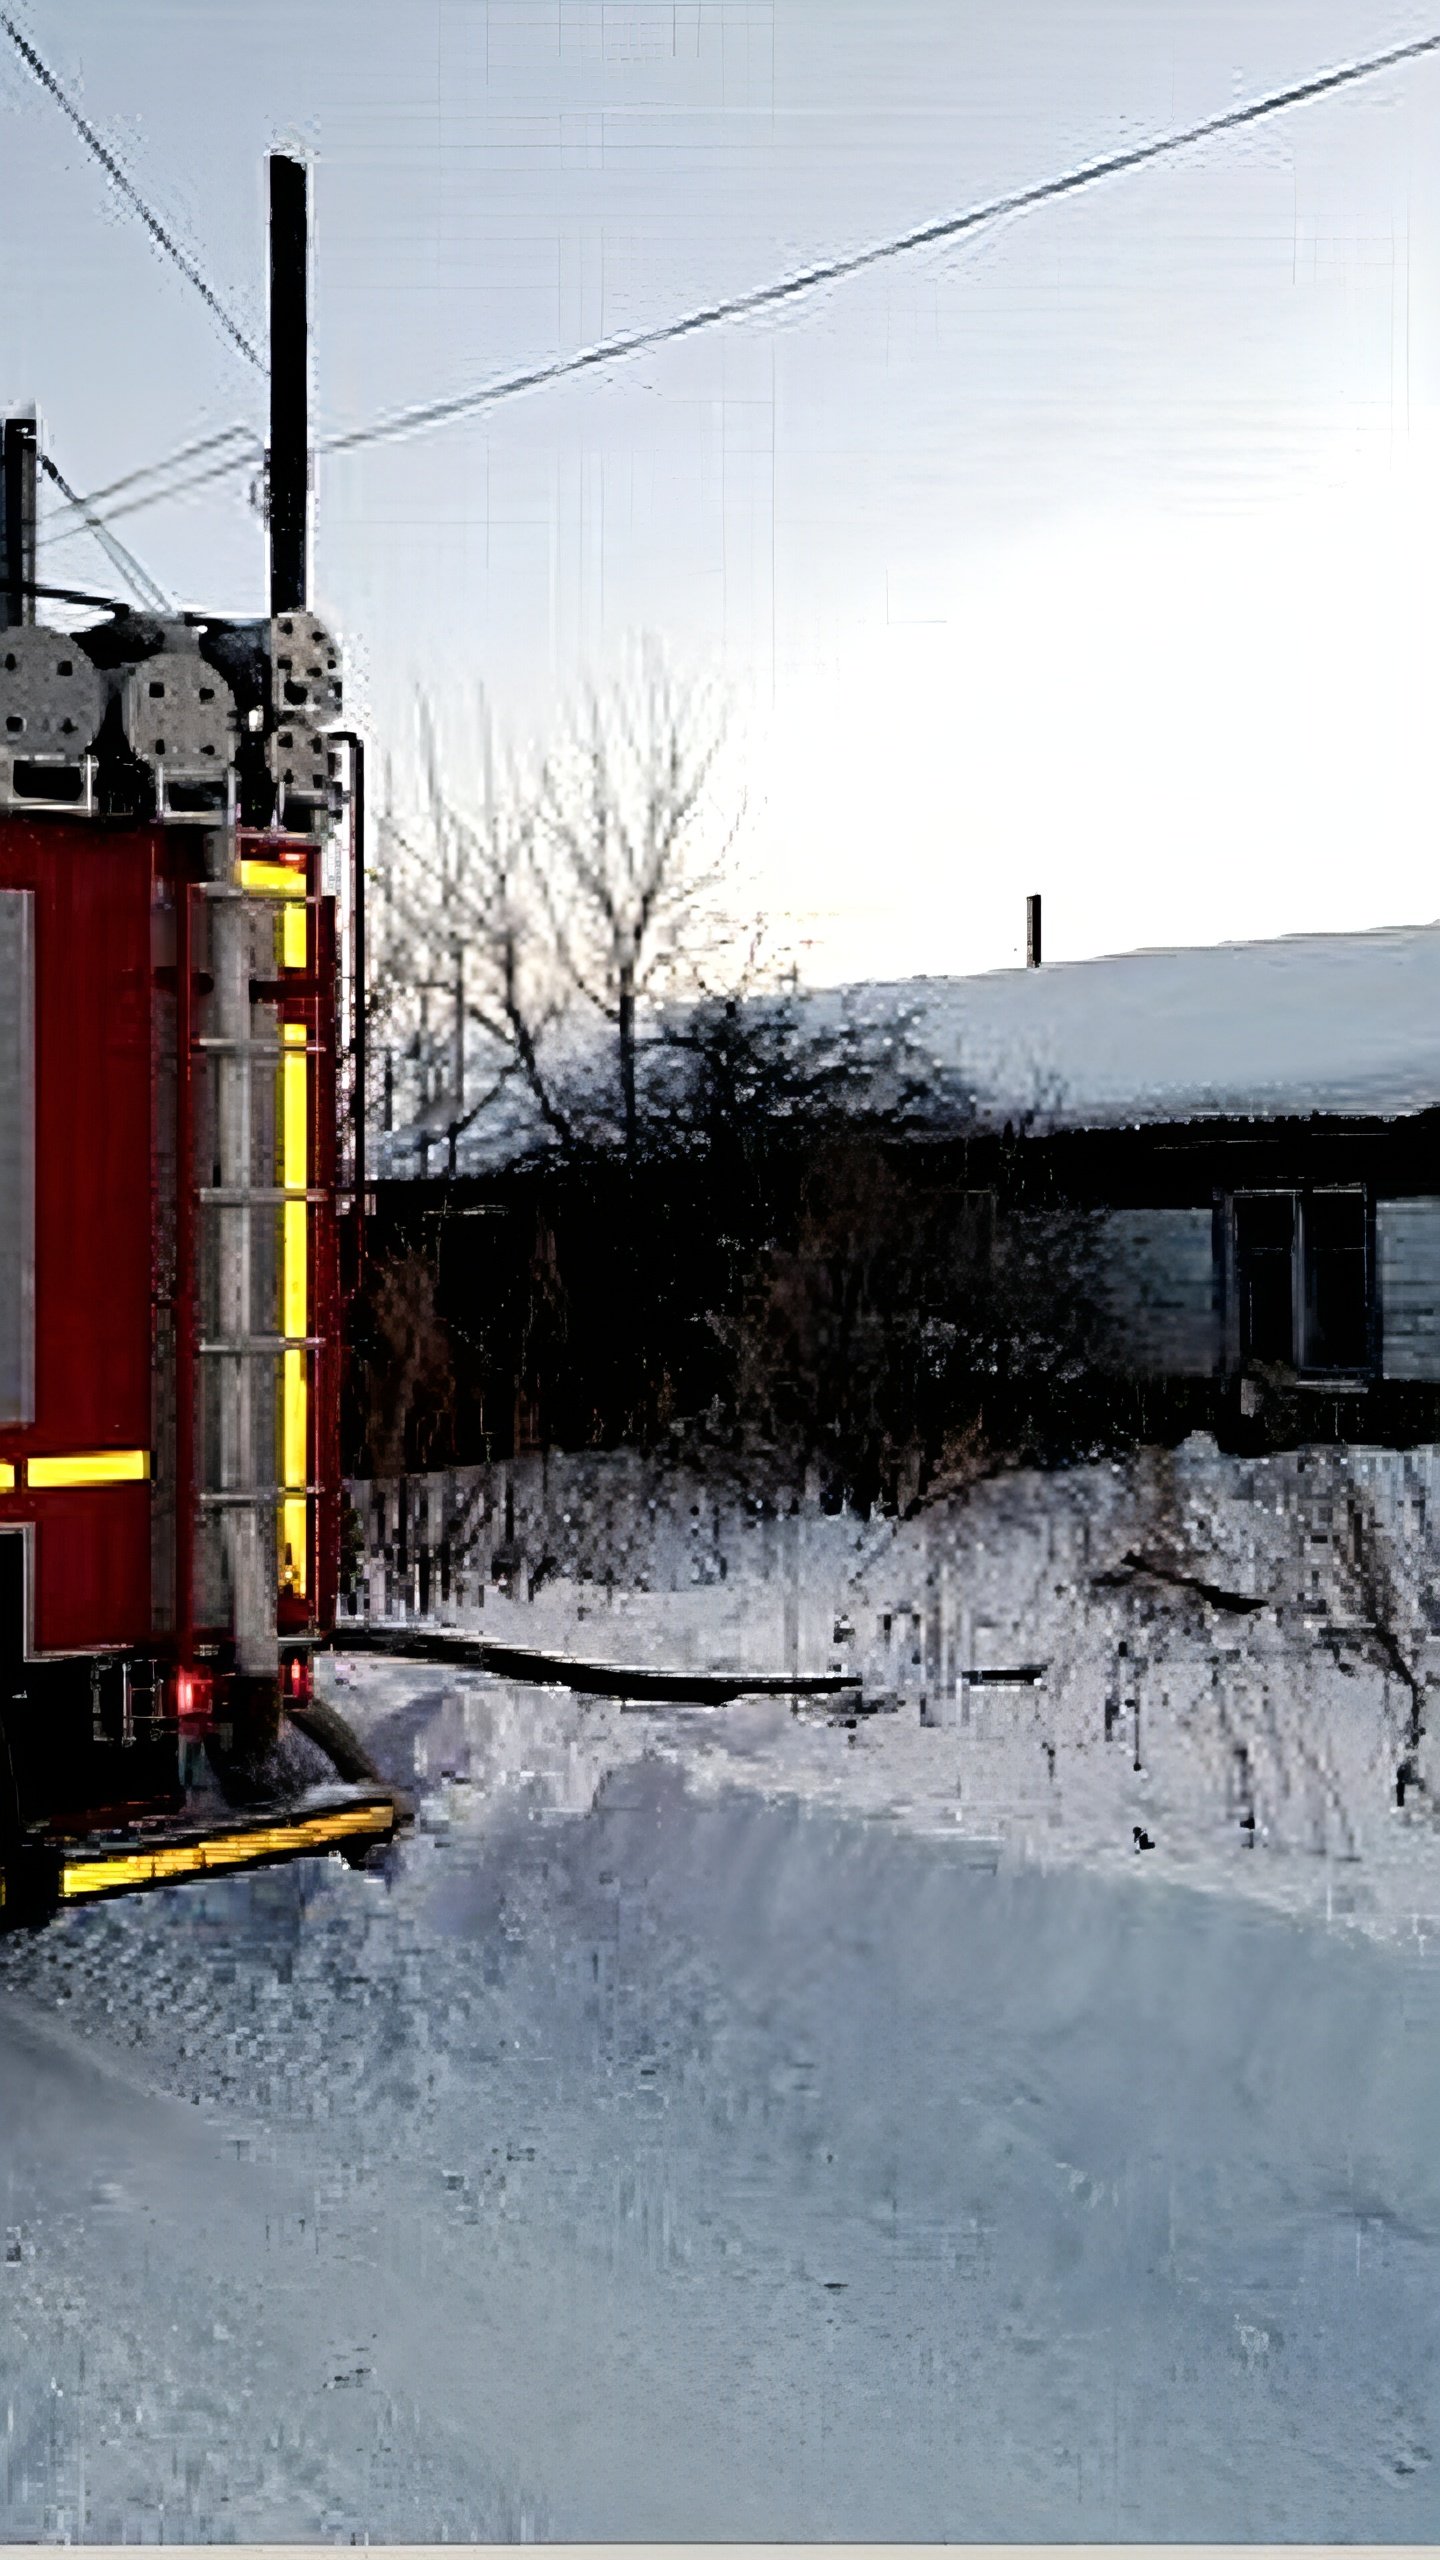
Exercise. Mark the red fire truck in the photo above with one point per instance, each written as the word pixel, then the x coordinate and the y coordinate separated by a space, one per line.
pixel 170 1306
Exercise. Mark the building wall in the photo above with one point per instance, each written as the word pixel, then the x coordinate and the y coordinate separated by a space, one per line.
pixel 1163 1292
pixel 1407 1242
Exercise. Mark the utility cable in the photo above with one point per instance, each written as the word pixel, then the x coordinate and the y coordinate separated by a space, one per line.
pixel 928 235
pixel 121 559
pixel 185 453
pixel 163 238
pixel 807 280
pixel 176 488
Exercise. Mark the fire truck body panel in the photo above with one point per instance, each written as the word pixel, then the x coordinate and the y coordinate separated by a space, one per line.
pixel 77 1309
pixel 170 1317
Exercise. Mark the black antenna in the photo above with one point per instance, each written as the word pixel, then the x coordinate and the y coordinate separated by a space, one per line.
pixel 289 387
pixel 18 456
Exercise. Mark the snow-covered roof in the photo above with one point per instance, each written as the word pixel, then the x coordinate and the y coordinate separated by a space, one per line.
pixel 1336 1023
pixel 1331 1023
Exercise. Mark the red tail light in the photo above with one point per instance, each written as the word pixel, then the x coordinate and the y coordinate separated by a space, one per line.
pixel 297 1680
pixel 194 1699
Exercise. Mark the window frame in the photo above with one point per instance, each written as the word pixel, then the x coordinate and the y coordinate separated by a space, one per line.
pixel 1304 1371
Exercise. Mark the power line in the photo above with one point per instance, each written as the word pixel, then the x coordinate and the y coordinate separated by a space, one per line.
pixel 929 235
pixel 164 239
pixel 810 279
pixel 121 559
pixel 185 453
pixel 176 488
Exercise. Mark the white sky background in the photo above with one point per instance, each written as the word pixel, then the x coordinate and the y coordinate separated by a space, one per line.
pixel 1099 555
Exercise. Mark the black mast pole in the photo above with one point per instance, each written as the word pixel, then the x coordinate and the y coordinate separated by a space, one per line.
pixel 18 451
pixel 289 386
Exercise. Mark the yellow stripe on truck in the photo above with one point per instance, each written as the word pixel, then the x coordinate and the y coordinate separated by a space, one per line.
pixel 273 879
pixel 277 880
pixel 295 1311
pixel 126 1871
pixel 92 1466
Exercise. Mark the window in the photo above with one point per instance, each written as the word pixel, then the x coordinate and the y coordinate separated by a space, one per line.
pixel 1302 1271
pixel 1336 1296
pixel 1265 1269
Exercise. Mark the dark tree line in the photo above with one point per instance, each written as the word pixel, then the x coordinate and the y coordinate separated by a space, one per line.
pixel 722 1210
pixel 808 1254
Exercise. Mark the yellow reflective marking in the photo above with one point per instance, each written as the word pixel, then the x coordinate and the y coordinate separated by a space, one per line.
pixel 277 880
pixel 273 879
pixel 123 1870
pixel 7 1476
pixel 294 1308
pixel 96 1466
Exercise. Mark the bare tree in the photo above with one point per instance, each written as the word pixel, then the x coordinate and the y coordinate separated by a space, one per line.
pixel 538 914
pixel 1385 1581
pixel 636 859
pixel 1309 1555
pixel 508 995
pixel 404 1047
pixel 467 981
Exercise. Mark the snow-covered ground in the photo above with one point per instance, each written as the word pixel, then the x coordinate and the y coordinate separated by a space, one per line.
pixel 1276 1723
pixel 740 2123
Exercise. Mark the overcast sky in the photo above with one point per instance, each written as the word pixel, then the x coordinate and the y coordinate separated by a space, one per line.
pixel 1099 556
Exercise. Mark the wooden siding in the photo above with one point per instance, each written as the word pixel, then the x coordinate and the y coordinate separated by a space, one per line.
pixel 1162 1289
pixel 1407 1235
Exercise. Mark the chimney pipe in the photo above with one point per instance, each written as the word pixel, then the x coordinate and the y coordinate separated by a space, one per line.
pixel 289 387
pixel 1032 931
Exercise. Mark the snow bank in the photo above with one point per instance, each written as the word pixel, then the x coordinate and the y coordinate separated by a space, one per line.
pixel 687 2160
pixel 1229 1655
pixel 750 2125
